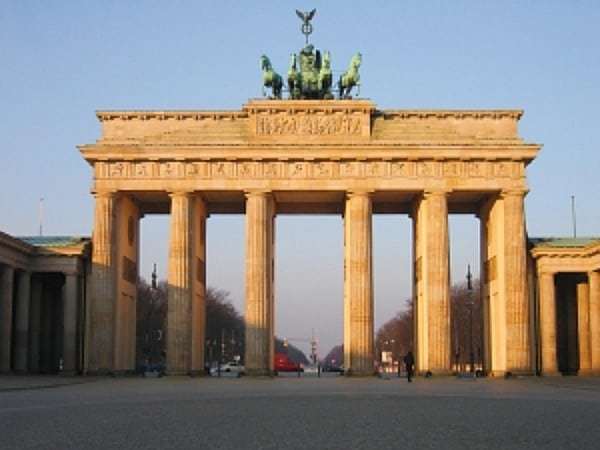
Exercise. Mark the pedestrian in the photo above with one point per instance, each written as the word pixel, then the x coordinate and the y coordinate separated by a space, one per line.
pixel 409 362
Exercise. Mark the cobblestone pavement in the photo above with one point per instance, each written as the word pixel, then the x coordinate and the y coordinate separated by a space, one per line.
pixel 290 413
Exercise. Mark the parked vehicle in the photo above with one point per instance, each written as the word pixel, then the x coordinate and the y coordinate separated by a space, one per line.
pixel 284 364
pixel 228 367
pixel 333 368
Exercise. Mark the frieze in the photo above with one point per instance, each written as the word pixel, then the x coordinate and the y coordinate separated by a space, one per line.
pixel 307 169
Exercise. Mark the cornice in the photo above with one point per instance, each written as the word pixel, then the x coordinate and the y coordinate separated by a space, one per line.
pixel 6 240
pixel 106 115
pixel 308 105
pixel 514 114
pixel 566 252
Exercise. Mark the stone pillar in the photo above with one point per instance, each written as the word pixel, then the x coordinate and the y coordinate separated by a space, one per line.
pixel 432 284
pixel 70 299
pixel 594 284
pixel 547 299
pixel 22 322
pixel 583 328
pixel 6 314
pixel 198 287
pixel 103 286
pixel 260 212
pixel 518 340
pixel 358 277
pixel 179 287
pixel 34 324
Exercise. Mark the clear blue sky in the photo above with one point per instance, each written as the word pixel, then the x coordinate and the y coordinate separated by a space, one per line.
pixel 62 60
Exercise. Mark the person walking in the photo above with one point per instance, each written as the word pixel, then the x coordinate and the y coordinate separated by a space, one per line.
pixel 409 363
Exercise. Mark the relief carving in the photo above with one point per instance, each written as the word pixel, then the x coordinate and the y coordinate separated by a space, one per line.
pixel 169 170
pixel 222 169
pixel 452 169
pixel 303 124
pixel 298 170
pixel 425 169
pixel 348 170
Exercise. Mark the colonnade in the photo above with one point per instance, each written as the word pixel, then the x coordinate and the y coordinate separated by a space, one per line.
pixel 39 321
pixel 581 340
pixel 507 311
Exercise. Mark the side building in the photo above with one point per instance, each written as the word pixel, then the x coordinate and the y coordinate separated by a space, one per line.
pixel 43 303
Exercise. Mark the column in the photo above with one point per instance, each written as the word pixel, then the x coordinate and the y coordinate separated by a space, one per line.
pixel 518 340
pixel 358 299
pixel 594 284
pixel 547 299
pixel 583 328
pixel 6 313
pixel 198 287
pixel 70 297
pixel 103 286
pixel 179 286
pixel 432 284
pixel 34 324
pixel 22 322
pixel 260 212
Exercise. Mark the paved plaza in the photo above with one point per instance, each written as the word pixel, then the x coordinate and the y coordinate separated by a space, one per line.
pixel 326 413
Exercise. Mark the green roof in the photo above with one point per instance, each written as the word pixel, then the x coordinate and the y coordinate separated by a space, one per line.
pixel 53 241
pixel 564 242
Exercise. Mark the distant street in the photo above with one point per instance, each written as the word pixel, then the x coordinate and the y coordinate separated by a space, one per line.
pixel 289 413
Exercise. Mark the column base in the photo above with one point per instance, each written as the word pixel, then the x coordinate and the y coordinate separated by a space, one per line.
pixel 96 372
pixel 553 373
pixel 588 372
pixel 359 373
pixel 259 373
pixel 435 373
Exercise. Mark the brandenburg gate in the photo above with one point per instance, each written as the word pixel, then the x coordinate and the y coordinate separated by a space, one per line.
pixel 309 156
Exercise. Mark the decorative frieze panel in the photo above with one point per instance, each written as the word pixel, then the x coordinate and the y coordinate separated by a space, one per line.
pixel 307 169
pixel 339 124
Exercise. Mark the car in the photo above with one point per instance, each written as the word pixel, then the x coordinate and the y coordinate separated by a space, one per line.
pixel 284 364
pixel 333 368
pixel 228 367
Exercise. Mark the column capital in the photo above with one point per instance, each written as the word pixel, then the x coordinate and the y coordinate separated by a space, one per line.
pixel 258 193
pixel 180 193
pixel 434 192
pixel 545 273
pixel 358 193
pixel 104 194
pixel 515 192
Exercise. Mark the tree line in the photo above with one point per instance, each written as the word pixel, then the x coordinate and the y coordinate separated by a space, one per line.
pixel 225 327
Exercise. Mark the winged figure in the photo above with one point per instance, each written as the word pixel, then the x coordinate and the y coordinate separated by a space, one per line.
pixel 306 16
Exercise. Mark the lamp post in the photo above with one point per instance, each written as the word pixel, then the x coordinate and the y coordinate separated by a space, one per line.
pixel 470 300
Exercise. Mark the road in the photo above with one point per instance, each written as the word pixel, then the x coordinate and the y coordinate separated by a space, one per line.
pixel 291 413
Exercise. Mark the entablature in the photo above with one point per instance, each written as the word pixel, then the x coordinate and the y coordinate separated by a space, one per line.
pixel 317 126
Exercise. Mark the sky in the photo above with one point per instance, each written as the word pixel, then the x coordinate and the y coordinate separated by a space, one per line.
pixel 62 60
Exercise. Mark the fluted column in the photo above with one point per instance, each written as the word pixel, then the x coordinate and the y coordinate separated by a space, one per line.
pixel 583 328
pixel 359 284
pixel 70 296
pixel 518 340
pixel 22 322
pixel 179 285
pixel 594 284
pixel 6 314
pixel 432 288
pixel 547 299
pixel 260 211
pixel 103 286
pixel 34 324
pixel 198 324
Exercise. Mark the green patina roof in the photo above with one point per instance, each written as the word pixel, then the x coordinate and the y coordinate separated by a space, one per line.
pixel 564 242
pixel 53 241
